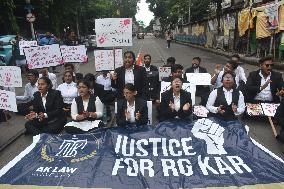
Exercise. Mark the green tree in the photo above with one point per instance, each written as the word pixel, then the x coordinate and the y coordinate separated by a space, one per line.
pixel 7 17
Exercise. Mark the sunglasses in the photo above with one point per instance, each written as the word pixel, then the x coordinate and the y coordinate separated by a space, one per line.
pixel 267 65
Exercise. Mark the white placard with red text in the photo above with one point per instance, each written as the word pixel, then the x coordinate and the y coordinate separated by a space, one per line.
pixel 118 62
pixel 10 76
pixel 164 72
pixel 23 44
pixel 104 60
pixel 74 53
pixel 8 101
pixel 199 78
pixel 269 109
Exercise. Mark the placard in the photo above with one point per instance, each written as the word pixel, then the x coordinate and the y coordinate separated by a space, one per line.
pixel 164 72
pixel 269 109
pixel 199 78
pixel 8 101
pixel 113 32
pixel 23 44
pixel 150 118
pixel 200 111
pixel 118 62
pixel 10 76
pixel 43 56
pixel 74 53
pixel 104 60
pixel 254 109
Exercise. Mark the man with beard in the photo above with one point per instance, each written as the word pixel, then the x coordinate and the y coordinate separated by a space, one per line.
pixel 201 91
pixel 153 83
pixel 264 85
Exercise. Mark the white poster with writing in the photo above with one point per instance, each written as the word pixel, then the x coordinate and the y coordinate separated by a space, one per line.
pixel 113 32
pixel 164 72
pixel 199 78
pixel 8 101
pixel 269 109
pixel 24 44
pixel 104 60
pixel 200 111
pixel 74 53
pixel 10 76
pixel 118 58
pixel 43 56
pixel 150 119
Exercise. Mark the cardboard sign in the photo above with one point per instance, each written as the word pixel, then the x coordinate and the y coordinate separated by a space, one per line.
pixel 43 56
pixel 74 53
pixel 113 32
pixel 254 109
pixel 269 109
pixel 118 62
pixel 24 44
pixel 149 106
pixel 164 72
pixel 199 78
pixel 104 60
pixel 8 101
pixel 200 111
pixel 10 76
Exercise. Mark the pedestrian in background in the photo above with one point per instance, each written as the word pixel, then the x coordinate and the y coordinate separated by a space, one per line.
pixel 169 37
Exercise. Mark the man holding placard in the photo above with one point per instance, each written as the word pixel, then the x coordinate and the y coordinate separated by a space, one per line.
pixel 201 90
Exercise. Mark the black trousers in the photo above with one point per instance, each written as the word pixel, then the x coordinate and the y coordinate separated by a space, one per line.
pixel 35 127
pixel 24 108
pixel 169 43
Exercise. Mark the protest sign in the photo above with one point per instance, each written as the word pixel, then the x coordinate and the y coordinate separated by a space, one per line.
pixel 164 72
pixel 200 111
pixel 269 109
pixel 113 32
pixel 271 12
pixel 118 62
pixel 10 76
pixel 149 106
pixel 8 101
pixel 23 44
pixel 104 60
pixel 199 78
pixel 254 109
pixel 206 153
pixel 43 56
pixel 74 53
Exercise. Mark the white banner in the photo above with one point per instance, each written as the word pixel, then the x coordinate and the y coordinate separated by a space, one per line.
pixel 118 58
pixel 113 32
pixel 199 78
pixel 164 72
pixel 104 60
pixel 254 109
pixel 10 76
pixel 74 53
pixel 43 56
pixel 271 12
pixel 8 101
pixel 269 109
pixel 149 106
pixel 23 44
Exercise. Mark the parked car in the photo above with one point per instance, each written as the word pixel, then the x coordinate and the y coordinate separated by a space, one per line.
pixel 90 42
pixel 6 42
pixel 140 36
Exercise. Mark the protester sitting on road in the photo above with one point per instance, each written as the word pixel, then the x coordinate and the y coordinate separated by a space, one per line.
pixel 202 91
pixel 170 62
pixel 175 103
pixel 25 102
pixel 129 73
pixel 69 67
pixel 239 70
pixel 44 73
pixel 176 71
pixel 68 91
pixel 131 109
pixel 226 102
pixel 85 108
pixel 47 115
pixel 264 85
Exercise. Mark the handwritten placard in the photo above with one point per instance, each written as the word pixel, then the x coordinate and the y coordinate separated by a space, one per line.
pixel 254 109
pixel 10 76
pixel 24 44
pixel 8 101
pixel 104 60
pixel 164 72
pixel 150 119
pixel 199 78
pixel 43 56
pixel 269 109
pixel 74 53
pixel 200 111
pixel 113 32
pixel 118 62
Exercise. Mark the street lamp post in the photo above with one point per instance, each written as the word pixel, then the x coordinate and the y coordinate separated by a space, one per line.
pixel 29 9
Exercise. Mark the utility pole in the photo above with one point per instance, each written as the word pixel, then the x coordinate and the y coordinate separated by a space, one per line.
pixel 29 9
pixel 189 5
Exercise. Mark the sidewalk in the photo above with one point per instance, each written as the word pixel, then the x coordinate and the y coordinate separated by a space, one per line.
pixel 245 59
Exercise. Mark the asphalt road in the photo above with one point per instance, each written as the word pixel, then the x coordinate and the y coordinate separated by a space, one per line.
pixel 259 129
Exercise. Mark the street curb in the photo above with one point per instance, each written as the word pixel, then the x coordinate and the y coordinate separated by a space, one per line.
pixel 248 60
pixel 12 139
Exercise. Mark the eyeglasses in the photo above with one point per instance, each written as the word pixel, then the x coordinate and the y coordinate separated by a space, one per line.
pixel 267 65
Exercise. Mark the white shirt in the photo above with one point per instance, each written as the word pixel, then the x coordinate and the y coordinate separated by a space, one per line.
pixel 129 76
pixel 99 108
pixel 265 94
pixel 219 80
pixel 53 79
pixel 43 98
pixel 131 110
pixel 28 94
pixel 228 95
pixel 105 81
pixel 240 72
pixel 147 69
pixel 196 70
pixel 68 92
pixel 176 102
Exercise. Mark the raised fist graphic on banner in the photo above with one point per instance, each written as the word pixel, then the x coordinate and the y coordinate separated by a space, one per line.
pixel 212 133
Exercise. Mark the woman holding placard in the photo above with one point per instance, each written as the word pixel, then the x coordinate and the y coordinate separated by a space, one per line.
pixel 226 102
pixel 47 115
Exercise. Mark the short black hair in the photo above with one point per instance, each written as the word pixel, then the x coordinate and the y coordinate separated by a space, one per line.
pixel 34 73
pixel 197 58
pixel 69 64
pixel 173 78
pixel 47 81
pixel 176 67
pixel 130 87
pixel 171 60
pixel 85 82
pixel 79 76
pixel 262 60
pixel 233 63
pixel 148 56
pixel 130 52
pixel 231 73
pixel 236 56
